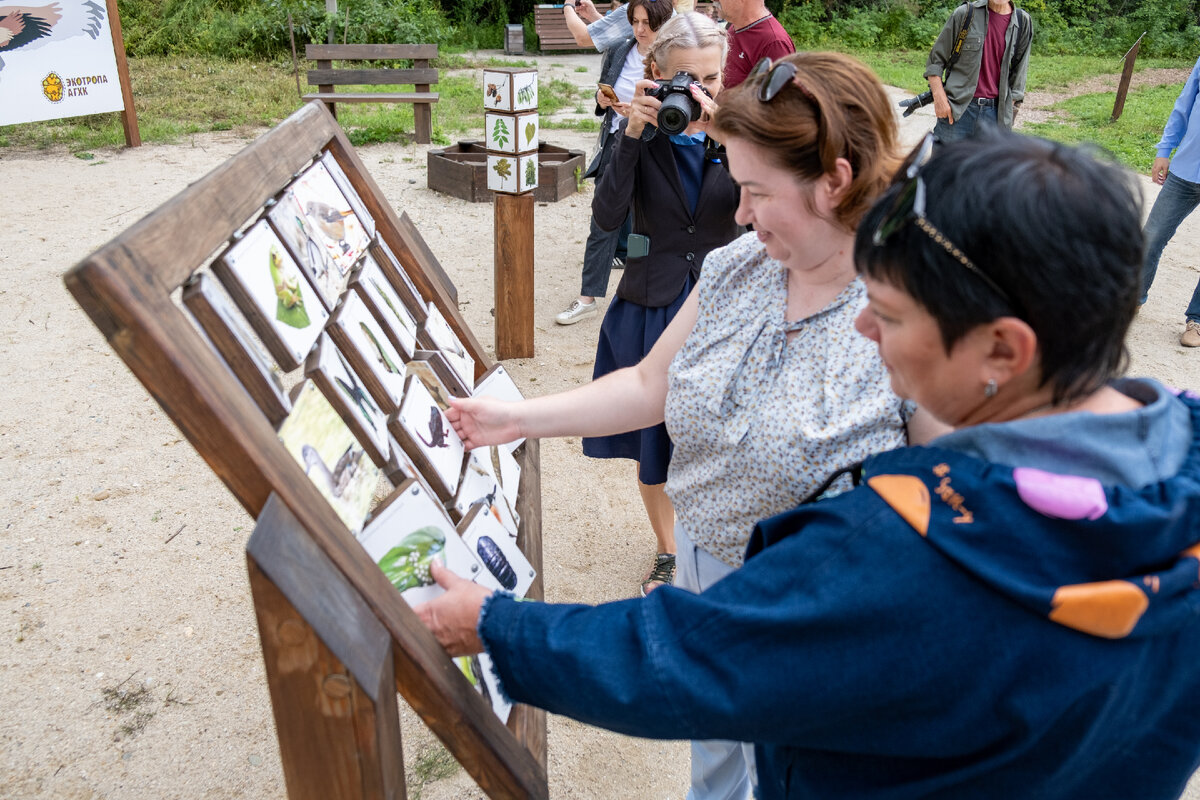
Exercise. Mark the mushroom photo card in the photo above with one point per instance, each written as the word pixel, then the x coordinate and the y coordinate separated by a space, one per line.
pixel 408 532
pixel 342 387
pixel 429 440
pixel 368 349
pixel 265 283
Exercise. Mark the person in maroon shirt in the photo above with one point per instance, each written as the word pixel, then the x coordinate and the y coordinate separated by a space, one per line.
pixel 986 83
pixel 754 33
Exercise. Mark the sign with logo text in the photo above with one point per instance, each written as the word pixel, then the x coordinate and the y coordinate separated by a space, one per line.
pixel 57 60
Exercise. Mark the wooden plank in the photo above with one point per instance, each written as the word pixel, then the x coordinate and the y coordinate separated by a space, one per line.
pixel 129 121
pixel 421 98
pixel 329 669
pixel 371 77
pixel 356 52
pixel 513 272
pixel 526 722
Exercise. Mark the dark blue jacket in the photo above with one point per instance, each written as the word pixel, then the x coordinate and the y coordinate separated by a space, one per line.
pixel 950 629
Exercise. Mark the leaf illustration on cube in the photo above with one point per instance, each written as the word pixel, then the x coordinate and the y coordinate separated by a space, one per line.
pixel 500 133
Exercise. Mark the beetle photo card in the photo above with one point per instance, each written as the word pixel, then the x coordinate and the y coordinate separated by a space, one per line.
pixel 443 338
pixel 327 211
pixel 426 435
pixel 505 564
pixel 265 283
pixel 386 306
pixel 331 456
pixel 287 218
pixel 360 338
pixel 340 384
pixel 407 533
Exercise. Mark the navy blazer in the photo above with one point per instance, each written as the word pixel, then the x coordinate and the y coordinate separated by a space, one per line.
pixel 643 174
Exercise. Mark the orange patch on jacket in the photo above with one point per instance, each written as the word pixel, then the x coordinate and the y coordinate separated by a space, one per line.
pixel 907 496
pixel 1108 608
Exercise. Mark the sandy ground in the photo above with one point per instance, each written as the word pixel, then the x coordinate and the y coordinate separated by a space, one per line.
pixel 131 666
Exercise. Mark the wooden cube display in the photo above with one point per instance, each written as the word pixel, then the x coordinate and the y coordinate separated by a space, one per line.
pixel 512 174
pixel 511 133
pixel 510 89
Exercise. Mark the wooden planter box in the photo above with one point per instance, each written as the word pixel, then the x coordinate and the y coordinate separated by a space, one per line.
pixel 461 171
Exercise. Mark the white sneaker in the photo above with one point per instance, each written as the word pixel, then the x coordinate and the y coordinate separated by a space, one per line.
pixel 1191 334
pixel 576 311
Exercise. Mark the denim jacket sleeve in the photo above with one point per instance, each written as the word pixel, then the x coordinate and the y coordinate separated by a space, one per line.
pixel 614 191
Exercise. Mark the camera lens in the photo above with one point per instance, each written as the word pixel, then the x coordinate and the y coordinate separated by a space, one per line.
pixel 676 112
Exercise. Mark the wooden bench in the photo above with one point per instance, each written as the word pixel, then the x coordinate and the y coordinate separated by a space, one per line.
pixel 551 26
pixel 421 76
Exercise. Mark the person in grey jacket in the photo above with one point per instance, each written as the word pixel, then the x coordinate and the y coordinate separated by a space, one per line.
pixel 986 83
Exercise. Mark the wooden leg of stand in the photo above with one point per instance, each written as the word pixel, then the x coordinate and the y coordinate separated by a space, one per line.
pixel 514 275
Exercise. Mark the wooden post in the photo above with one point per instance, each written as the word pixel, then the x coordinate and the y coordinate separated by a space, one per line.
pixel 330 11
pixel 1126 75
pixel 133 136
pixel 514 275
pixel 329 668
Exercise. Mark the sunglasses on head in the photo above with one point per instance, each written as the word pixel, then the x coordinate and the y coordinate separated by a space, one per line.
pixel 777 77
pixel 909 206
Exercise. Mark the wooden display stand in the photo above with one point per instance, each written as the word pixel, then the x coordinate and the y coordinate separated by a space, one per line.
pixel 338 640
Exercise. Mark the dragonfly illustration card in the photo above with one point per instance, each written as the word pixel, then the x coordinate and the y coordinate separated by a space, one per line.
pixel 265 283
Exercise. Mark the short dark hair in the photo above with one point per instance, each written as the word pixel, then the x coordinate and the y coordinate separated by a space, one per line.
pixel 1057 228
pixel 657 11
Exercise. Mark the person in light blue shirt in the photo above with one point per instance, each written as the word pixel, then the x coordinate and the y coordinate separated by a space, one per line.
pixel 590 29
pixel 1180 179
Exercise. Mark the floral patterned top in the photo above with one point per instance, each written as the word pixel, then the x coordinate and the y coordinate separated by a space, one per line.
pixel 760 422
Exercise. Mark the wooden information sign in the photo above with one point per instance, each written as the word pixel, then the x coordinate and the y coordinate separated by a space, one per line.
pixel 339 641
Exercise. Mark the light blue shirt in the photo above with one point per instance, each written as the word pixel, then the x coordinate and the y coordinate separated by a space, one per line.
pixel 1183 131
pixel 611 29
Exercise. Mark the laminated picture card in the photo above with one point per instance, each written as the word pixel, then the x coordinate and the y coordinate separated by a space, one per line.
pixel 340 384
pixel 429 440
pixel 407 533
pixel 510 89
pixel 511 133
pixel 512 174
pixel 360 338
pixel 327 211
pixel 480 488
pixel 333 459
pixel 443 338
pixel 386 305
pixel 497 383
pixel 505 565
pixel 265 283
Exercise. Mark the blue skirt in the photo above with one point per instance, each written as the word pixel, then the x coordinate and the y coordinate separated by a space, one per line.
pixel 627 334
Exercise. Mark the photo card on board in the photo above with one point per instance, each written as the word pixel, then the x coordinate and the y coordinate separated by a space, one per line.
pixel 505 565
pixel 427 437
pixel 330 455
pixel 408 532
pixel 265 283
pixel 342 387
pixel 287 218
pixel 443 338
pixel 327 211
pixel 480 487
pixel 386 305
pixel 497 383
pixel 401 282
pixel 423 371
pixel 440 365
pixel 349 192
pixel 481 674
pixel 229 332
pixel 360 338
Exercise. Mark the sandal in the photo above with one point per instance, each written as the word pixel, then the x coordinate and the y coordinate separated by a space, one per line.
pixel 661 574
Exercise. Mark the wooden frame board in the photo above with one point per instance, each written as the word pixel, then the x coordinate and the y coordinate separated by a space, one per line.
pixel 126 288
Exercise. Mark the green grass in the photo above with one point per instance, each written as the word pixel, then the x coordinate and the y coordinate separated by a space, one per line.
pixel 176 97
pixel 1131 138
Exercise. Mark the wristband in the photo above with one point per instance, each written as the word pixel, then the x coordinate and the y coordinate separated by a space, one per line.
pixel 569 5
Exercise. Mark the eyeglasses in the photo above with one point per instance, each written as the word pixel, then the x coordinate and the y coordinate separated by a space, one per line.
pixel 777 77
pixel 909 206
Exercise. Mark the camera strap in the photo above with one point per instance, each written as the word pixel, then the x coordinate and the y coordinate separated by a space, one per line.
pixel 958 43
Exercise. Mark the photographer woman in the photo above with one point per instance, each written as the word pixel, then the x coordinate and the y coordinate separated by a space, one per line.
pixel 765 387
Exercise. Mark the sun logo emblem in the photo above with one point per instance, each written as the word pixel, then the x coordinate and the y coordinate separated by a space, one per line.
pixel 52 87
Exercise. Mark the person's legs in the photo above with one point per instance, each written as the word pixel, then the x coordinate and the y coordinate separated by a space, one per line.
pixel 598 254
pixel 1175 201
pixel 961 129
pixel 662 520
pixel 720 769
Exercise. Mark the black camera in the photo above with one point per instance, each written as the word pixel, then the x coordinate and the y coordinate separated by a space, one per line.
pixel 913 103
pixel 679 109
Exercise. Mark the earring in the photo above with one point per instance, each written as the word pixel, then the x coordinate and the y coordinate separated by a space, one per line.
pixel 990 388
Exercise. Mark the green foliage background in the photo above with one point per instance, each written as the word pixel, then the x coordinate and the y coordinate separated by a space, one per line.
pixel 259 28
